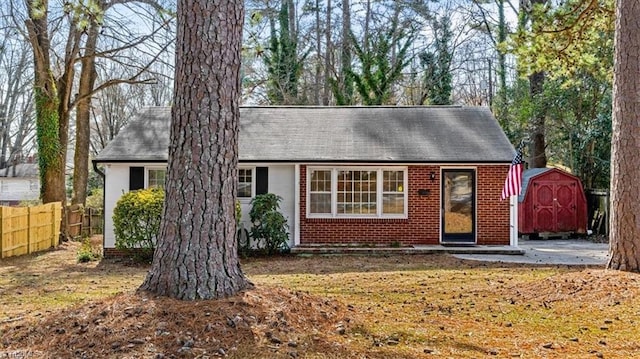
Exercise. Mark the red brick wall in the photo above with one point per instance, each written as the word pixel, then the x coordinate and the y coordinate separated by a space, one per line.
pixel 423 223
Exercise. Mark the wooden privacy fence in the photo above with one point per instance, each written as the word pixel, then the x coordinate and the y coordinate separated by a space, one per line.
pixel 82 222
pixel 26 230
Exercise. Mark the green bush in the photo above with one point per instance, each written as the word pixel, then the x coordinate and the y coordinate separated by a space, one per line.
pixel 86 253
pixel 95 199
pixel 269 226
pixel 136 221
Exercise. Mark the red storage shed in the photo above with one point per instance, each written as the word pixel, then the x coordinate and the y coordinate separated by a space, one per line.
pixel 552 201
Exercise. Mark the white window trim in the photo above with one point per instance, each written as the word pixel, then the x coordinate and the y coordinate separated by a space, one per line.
pixel 379 193
pixel 152 168
pixel 253 183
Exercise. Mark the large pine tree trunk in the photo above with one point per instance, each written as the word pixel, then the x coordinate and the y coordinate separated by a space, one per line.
pixel 624 237
pixel 196 256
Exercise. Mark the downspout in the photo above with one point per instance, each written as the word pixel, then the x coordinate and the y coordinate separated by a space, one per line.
pixel 104 192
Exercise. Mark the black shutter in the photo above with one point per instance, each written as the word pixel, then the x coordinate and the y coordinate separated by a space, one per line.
pixel 262 180
pixel 136 178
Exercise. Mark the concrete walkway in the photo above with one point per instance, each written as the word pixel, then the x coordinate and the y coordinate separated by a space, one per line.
pixel 551 251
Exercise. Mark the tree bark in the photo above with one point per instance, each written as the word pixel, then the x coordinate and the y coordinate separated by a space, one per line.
pixel 624 237
pixel 328 51
pixel 537 153
pixel 538 157
pixel 196 255
pixel 50 132
pixel 83 113
pixel 316 87
pixel 346 83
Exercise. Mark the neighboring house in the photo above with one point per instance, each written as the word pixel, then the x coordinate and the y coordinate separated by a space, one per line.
pixel 349 175
pixel 19 183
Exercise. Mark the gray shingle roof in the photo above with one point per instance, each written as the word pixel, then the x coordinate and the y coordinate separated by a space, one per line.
pixel 21 170
pixel 327 134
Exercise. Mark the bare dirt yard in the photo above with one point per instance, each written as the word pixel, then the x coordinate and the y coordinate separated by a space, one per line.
pixel 415 306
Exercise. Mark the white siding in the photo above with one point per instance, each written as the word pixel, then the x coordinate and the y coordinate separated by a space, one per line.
pixel 282 183
pixel 116 183
pixel 16 189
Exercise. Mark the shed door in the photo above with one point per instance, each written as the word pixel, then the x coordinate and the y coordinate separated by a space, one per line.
pixel 555 208
pixel 458 206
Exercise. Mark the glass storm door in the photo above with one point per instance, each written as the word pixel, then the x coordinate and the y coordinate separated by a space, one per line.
pixel 458 206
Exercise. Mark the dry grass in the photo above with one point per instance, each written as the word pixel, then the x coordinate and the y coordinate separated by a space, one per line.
pixel 322 307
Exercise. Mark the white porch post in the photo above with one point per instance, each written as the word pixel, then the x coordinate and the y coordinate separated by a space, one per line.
pixel 296 210
pixel 513 219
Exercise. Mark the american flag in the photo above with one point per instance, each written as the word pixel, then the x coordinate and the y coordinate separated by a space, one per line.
pixel 513 182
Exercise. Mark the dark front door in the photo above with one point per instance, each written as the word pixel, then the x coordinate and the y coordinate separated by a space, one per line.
pixel 458 206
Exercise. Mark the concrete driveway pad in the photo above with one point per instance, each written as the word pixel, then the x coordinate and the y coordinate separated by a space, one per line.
pixel 551 251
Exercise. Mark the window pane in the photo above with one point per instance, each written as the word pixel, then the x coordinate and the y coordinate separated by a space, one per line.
pixel 357 192
pixel 393 204
pixel 245 178
pixel 320 191
pixel 393 181
pixel 320 203
pixel 156 178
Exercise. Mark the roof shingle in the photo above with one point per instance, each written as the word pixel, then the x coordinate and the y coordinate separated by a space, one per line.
pixel 335 134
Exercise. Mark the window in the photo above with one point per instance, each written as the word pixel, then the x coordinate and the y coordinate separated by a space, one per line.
pixel 357 192
pixel 320 191
pixel 393 192
pixel 245 183
pixel 156 177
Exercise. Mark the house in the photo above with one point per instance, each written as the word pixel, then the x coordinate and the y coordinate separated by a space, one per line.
pixel 19 183
pixel 374 176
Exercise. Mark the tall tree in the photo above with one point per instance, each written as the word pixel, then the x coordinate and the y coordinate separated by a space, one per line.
pixel 437 64
pixel 283 63
pixel 382 60
pixel 51 128
pixel 56 85
pixel 624 237
pixel 196 256
pixel 86 85
pixel 16 95
pixel 343 87
pixel 538 146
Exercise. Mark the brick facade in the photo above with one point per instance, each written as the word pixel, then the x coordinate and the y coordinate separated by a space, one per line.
pixel 423 223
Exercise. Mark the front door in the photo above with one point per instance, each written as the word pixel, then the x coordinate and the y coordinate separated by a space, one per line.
pixel 458 206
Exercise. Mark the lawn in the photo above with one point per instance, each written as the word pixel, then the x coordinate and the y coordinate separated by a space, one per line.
pixel 414 306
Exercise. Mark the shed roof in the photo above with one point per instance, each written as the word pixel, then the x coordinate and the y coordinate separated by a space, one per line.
pixel 335 134
pixel 26 170
pixel 531 173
